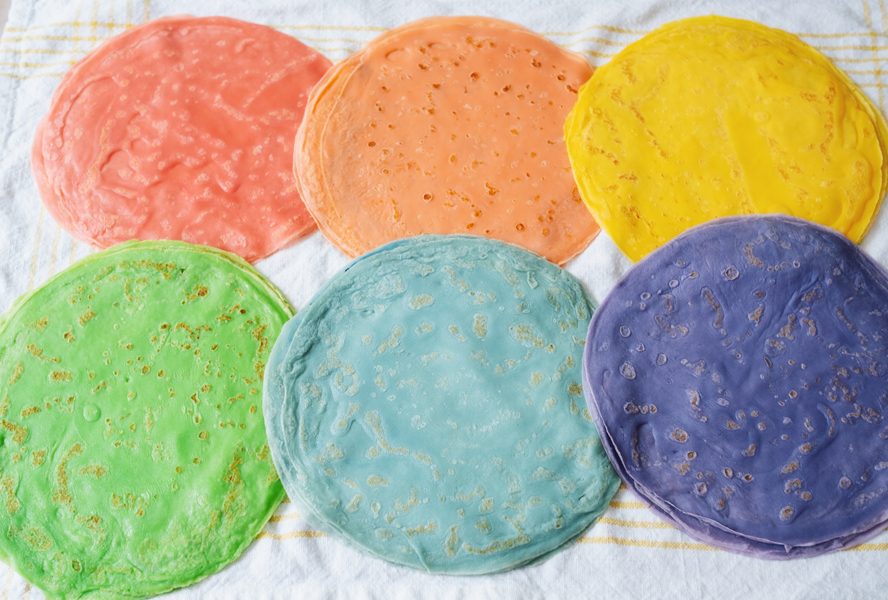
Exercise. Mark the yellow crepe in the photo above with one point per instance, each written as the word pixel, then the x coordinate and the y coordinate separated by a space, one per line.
pixel 710 117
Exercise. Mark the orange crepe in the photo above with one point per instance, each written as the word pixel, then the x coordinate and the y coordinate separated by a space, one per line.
pixel 181 128
pixel 446 125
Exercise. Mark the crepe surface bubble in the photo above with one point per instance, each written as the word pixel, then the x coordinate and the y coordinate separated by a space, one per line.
pixel 736 376
pixel 446 125
pixel 135 459
pixel 426 407
pixel 710 117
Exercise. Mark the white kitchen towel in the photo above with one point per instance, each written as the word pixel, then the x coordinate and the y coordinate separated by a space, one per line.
pixel 629 553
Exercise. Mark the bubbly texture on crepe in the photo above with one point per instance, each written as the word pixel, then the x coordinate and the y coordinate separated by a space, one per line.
pixel 736 376
pixel 181 128
pixel 446 125
pixel 134 451
pixel 426 407
pixel 710 117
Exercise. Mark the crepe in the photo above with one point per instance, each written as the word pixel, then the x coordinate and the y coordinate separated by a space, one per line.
pixel 736 376
pixel 711 117
pixel 135 459
pixel 446 125
pixel 181 128
pixel 426 407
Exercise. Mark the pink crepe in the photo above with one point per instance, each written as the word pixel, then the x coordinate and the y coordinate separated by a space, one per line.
pixel 183 129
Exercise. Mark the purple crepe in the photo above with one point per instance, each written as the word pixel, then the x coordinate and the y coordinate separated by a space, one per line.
pixel 737 377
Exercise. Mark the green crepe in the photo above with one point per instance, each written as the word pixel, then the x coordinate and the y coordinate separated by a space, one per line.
pixel 134 456
pixel 426 407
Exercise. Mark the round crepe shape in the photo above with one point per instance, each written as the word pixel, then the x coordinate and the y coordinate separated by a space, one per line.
pixel 446 125
pixel 181 128
pixel 737 378
pixel 424 408
pixel 133 447
pixel 712 117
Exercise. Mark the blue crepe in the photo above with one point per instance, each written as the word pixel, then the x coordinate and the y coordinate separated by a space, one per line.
pixel 426 407
pixel 738 378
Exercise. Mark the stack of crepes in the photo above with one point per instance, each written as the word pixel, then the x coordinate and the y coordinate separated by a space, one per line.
pixel 179 129
pixel 446 125
pixel 135 458
pixel 424 407
pixel 736 373
pixel 712 117
pixel 741 392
